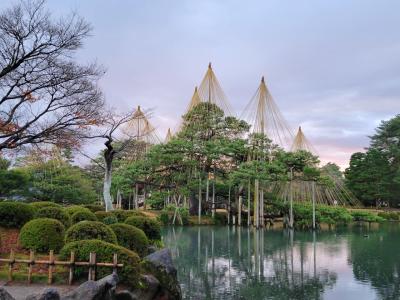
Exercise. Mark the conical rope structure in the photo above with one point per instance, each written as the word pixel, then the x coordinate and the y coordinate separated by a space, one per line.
pixel 210 91
pixel 335 193
pixel 264 116
pixel 142 133
pixel 168 137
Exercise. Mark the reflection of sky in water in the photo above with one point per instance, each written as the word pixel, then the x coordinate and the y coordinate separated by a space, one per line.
pixel 232 263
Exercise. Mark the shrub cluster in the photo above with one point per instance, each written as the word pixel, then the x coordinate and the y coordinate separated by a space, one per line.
pixel 54 213
pixel 15 214
pixel 366 216
pixel 119 215
pixel 75 208
pixel 40 204
pixel 130 273
pixel 94 207
pixel 390 216
pixel 42 235
pixel 83 216
pixel 90 230
pixel 131 238
pixel 151 227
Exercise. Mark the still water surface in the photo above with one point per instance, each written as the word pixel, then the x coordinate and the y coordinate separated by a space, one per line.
pixel 238 263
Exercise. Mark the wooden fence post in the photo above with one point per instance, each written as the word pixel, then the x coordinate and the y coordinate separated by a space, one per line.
pixel 30 265
pixel 115 263
pixel 11 265
pixel 90 274
pixel 71 268
pixel 51 263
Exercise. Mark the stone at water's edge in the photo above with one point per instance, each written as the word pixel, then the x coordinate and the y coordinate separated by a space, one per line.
pixel 160 265
pixel 47 294
pixel 4 295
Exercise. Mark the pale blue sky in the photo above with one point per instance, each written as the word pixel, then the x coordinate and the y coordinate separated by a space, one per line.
pixel 332 66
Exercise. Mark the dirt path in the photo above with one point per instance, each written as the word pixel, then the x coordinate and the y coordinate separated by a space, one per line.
pixel 21 291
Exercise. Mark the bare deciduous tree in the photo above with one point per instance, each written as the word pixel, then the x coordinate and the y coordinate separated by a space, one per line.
pixel 45 96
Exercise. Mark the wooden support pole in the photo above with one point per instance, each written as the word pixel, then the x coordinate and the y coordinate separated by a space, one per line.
pixel 229 206
pixel 115 263
pixel 256 202
pixel 90 273
pixel 248 204
pixel 71 268
pixel 199 199
pixel 51 264
pixel 11 265
pixel 262 207
pixel 30 265
pixel 240 211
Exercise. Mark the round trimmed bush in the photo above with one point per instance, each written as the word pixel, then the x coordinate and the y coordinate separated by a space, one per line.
pixel 130 272
pixel 94 207
pixel 40 204
pixel 83 216
pixel 54 213
pixel 90 230
pixel 110 220
pixel 75 208
pixel 122 215
pixel 42 235
pixel 101 215
pixel 151 227
pixel 131 238
pixel 15 214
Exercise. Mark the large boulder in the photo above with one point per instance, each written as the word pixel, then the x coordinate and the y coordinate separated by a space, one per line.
pixel 103 289
pixel 160 265
pixel 47 294
pixel 4 295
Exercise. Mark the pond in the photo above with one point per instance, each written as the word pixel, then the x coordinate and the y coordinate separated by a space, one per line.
pixel 359 262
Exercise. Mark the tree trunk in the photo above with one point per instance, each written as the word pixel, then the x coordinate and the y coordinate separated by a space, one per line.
pixel 108 158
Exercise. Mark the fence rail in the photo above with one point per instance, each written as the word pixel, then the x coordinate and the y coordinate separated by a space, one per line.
pixel 92 265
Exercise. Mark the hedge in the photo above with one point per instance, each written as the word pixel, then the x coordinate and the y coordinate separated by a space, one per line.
pixel 90 230
pixel 131 238
pixel 42 235
pixel 54 213
pixel 75 208
pixel 130 272
pixel 15 214
pixel 40 204
pixel 101 215
pixel 83 216
pixel 151 227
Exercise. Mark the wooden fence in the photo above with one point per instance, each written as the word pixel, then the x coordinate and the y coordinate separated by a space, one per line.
pixel 92 265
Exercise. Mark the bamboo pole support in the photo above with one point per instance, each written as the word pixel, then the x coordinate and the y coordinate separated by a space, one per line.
pixel 240 211
pixel 11 265
pixel 51 263
pixel 30 265
pixel 71 268
pixel 115 263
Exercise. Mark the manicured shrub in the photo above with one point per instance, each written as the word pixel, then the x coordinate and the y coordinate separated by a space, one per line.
pixel 94 207
pixel 122 215
pixel 131 238
pixel 90 230
pixel 83 216
pixel 54 213
pixel 75 208
pixel 366 216
pixel 15 214
pixel 111 219
pixel 40 204
pixel 130 272
pixel 151 227
pixel 101 215
pixel 164 217
pixel 42 235
pixel 390 216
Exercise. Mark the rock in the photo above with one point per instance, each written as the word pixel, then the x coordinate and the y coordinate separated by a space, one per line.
pixel 160 265
pixel 163 259
pixel 47 294
pixel 4 295
pixel 151 249
pixel 103 289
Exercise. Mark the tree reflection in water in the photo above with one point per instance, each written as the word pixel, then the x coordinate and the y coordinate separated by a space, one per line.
pixel 242 263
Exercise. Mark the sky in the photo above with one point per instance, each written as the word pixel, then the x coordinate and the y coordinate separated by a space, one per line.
pixel 333 67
